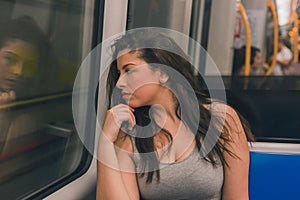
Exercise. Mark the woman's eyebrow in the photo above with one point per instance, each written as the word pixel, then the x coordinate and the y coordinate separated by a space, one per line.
pixel 11 52
pixel 126 65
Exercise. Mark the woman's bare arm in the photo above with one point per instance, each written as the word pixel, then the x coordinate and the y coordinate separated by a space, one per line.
pixel 236 173
pixel 116 178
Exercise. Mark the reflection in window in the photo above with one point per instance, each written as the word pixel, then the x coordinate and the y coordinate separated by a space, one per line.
pixel 40 53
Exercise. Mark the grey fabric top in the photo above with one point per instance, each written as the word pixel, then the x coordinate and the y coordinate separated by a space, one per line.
pixel 190 178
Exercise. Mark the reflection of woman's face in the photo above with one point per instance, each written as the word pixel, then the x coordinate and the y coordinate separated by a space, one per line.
pixel 17 59
pixel 139 84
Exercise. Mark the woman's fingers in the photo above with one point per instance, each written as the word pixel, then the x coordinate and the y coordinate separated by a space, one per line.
pixel 133 121
pixel 118 116
pixel 6 97
pixel 123 113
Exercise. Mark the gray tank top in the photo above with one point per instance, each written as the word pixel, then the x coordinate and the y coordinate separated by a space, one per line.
pixel 191 178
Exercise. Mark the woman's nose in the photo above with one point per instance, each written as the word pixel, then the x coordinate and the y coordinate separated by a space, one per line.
pixel 16 69
pixel 121 83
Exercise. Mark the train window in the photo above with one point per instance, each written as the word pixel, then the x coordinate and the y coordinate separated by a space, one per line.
pixel 154 13
pixel 268 99
pixel 41 49
pixel 269 104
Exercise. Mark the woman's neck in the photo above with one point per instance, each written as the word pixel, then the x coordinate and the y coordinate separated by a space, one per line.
pixel 164 111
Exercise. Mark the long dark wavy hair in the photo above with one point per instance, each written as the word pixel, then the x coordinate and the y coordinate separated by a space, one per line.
pixel 177 60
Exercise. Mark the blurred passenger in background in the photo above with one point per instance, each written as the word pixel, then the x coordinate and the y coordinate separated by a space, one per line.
pixel 239 61
pixel 283 59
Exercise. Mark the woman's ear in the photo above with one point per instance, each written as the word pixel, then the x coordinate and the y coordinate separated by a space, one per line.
pixel 163 78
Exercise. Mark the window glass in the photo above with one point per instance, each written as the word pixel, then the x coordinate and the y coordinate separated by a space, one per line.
pixel 269 99
pixel 41 49
pixel 160 13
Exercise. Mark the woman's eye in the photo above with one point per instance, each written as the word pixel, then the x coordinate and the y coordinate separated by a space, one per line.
pixel 128 71
pixel 11 60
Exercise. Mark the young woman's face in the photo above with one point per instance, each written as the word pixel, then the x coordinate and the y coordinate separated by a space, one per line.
pixel 17 58
pixel 138 83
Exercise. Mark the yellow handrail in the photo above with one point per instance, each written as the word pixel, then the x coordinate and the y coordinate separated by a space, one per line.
pixel 248 39
pixel 294 32
pixel 295 41
pixel 275 48
pixel 35 100
pixel 293 11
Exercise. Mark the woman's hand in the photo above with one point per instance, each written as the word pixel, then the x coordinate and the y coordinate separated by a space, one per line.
pixel 115 118
pixel 114 157
pixel 6 97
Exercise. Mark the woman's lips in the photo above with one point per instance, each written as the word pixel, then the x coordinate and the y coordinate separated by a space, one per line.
pixel 126 95
pixel 10 82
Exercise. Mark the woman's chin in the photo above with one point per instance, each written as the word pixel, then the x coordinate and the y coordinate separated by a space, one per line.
pixel 134 104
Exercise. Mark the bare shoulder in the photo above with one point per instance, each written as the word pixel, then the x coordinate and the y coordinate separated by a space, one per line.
pixel 228 116
pixel 237 154
pixel 222 107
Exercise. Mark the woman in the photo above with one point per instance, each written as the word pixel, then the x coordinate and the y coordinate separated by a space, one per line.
pixel 170 158
pixel 283 58
pixel 25 61
pixel 24 71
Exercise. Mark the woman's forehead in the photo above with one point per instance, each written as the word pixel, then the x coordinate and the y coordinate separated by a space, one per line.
pixel 123 52
pixel 17 44
pixel 129 57
pixel 128 51
pixel 128 54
